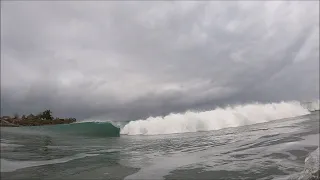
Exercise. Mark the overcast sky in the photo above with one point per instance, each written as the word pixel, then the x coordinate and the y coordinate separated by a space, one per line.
pixel 129 60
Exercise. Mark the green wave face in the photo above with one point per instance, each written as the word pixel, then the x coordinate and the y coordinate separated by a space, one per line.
pixel 94 129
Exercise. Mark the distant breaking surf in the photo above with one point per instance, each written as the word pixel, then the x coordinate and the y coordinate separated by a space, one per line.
pixel 231 116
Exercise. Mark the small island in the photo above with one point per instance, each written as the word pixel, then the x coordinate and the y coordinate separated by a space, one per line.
pixel 44 118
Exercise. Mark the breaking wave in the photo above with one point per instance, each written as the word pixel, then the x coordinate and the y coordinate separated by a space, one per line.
pixel 231 116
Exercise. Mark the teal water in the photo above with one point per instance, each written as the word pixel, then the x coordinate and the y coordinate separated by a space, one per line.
pixel 270 150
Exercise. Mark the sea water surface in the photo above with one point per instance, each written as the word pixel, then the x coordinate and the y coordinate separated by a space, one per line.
pixel 253 141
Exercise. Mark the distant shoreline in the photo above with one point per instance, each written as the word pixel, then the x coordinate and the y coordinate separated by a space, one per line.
pixel 44 118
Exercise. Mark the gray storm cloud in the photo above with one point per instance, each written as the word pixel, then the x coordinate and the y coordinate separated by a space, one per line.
pixel 129 60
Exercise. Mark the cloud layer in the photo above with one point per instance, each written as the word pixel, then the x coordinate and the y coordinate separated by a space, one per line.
pixel 129 60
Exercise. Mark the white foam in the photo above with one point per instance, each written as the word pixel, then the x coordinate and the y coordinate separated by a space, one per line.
pixel 231 116
pixel 92 120
pixel 312 105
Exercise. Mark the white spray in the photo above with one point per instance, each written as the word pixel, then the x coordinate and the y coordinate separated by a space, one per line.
pixel 312 105
pixel 231 116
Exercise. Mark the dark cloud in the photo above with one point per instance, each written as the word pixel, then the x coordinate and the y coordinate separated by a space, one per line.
pixel 129 60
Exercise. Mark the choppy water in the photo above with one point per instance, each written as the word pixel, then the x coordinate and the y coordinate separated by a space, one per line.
pixel 268 150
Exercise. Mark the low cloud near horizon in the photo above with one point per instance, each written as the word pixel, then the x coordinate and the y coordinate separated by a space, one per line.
pixel 129 60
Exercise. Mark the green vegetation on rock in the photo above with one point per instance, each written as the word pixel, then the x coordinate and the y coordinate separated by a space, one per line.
pixel 44 118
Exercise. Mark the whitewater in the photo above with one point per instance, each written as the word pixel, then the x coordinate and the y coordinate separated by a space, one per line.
pixel 231 116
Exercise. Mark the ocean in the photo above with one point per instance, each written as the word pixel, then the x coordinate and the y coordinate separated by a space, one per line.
pixel 250 141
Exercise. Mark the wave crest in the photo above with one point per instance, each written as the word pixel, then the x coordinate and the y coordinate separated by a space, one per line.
pixel 231 116
pixel 96 129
